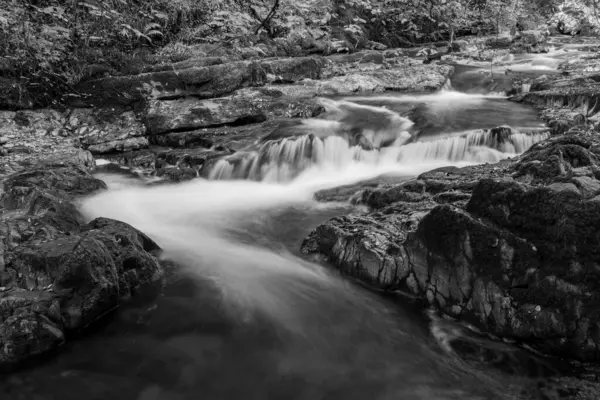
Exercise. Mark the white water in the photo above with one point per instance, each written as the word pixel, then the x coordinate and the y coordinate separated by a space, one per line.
pixel 333 336
pixel 194 221
pixel 280 161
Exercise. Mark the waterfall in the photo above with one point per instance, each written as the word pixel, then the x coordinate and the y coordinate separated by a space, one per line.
pixel 282 160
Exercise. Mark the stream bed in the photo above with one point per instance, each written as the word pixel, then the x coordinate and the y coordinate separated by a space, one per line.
pixel 246 316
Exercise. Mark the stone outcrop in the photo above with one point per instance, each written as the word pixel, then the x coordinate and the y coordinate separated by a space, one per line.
pixel 57 275
pixel 107 132
pixel 29 136
pixel 510 247
pixel 204 81
pixel 244 107
pixel 172 105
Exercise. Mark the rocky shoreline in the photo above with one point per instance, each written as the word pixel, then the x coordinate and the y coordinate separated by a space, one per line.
pixel 509 246
pixel 58 274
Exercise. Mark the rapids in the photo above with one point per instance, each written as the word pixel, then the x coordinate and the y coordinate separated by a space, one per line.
pixel 245 316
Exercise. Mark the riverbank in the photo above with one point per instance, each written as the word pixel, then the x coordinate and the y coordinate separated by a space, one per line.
pixel 509 247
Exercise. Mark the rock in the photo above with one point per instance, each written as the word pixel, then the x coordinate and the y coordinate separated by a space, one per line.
pixel 517 259
pixel 356 193
pixel 556 158
pixel 407 79
pixel 35 136
pixel 246 106
pixel 360 57
pixel 369 247
pixel 119 145
pixel 200 82
pixel 460 45
pixel 581 97
pixel 189 114
pixel 193 62
pixel 495 263
pixel 145 158
pixel 293 70
pixel 588 186
pixel 3 140
pixel 376 46
pixel 57 275
pixel 533 37
pixel 501 42
pixel 104 132
pixel 183 139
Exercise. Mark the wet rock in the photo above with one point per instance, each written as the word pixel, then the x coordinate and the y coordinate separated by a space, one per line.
pixel 460 45
pixel 368 247
pixel 183 139
pixel 589 186
pixel 517 259
pixel 33 136
pixel 501 42
pixel 57 275
pixel 293 70
pixel 583 98
pixel 241 108
pixel 178 173
pixel 533 37
pixel 407 79
pixel 135 159
pixel 106 132
pixel 193 62
pixel 189 114
pixel 200 82
pixel 556 158
pixel 361 57
pixel 489 263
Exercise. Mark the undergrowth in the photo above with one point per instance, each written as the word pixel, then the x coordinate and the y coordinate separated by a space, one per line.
pixel 48 46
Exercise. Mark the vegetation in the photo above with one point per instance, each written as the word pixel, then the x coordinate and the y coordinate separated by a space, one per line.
pixel 48 46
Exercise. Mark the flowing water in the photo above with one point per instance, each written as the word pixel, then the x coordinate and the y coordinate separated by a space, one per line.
pixel 245 316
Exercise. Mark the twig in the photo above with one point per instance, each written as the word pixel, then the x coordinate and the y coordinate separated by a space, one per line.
pixel 268 18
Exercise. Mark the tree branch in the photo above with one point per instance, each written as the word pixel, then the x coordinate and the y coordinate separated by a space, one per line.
pixel 270 16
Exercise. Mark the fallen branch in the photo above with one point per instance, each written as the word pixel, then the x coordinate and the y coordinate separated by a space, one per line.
pixel 270 16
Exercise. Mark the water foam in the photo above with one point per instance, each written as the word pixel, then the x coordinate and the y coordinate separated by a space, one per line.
pixel 283 160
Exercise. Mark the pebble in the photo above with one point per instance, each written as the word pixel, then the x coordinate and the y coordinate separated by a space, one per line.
pixel 3 140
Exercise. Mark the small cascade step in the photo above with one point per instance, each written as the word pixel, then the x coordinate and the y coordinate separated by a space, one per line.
pixel 282 160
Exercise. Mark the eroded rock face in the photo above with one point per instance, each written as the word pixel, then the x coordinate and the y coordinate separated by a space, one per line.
pixel 512 248
pixel 409 78
pixel 106 132
pixel 56 275
pixel 244 107
pixel 200 81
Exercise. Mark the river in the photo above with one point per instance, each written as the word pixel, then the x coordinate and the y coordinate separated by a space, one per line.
pixel 246 316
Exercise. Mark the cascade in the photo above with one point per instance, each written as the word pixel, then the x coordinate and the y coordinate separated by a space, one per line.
pixel 282 160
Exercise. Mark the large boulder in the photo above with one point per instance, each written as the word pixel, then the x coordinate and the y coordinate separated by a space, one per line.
pixel 501 42
pixel 408 78
pixel 533 37
pixel 522 260
pixel 518 256
pixel 57 275
pixel 243 107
